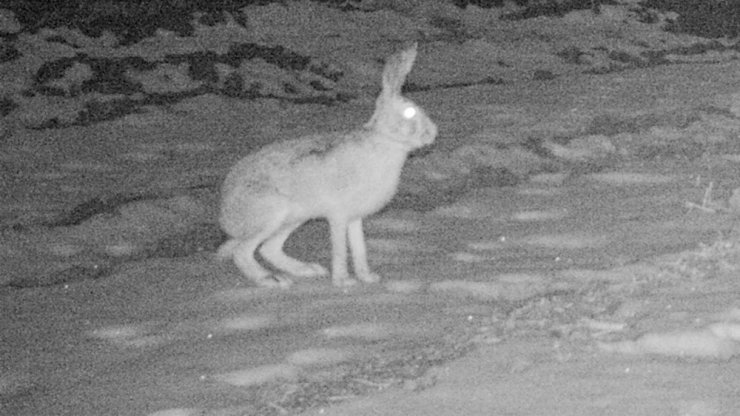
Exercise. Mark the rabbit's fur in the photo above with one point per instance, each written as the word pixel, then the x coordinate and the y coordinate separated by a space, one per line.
pixel 342 177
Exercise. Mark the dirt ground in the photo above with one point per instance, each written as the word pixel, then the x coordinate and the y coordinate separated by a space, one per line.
pixel 507 300
pixel 569 246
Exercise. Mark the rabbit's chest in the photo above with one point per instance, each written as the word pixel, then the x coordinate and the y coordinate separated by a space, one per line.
pixel 362 184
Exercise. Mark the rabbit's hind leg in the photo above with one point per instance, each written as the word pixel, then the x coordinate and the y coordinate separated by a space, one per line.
pixel 243 254
pixel 272 251
pixel 226 250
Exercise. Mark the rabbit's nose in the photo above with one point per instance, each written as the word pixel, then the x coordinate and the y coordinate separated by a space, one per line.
pixel 430 133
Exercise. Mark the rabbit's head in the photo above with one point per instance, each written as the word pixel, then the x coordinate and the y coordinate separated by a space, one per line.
pixel 396 116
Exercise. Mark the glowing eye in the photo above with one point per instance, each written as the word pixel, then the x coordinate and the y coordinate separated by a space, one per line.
pixel 409 112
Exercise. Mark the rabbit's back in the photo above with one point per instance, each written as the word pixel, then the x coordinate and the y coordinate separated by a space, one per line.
pixel 272 169
pixel 353 174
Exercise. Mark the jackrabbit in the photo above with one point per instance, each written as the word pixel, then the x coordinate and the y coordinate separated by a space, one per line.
pixel 342 177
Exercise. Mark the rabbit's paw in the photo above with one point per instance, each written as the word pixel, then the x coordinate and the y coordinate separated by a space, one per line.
pixel 369 277
pixel 310 270
pixel 344 281
pixel 275 281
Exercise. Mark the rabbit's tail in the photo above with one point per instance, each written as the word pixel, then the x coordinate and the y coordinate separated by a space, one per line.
pixel 226 251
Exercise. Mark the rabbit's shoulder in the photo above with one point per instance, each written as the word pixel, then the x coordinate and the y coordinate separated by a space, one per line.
pixel 320 146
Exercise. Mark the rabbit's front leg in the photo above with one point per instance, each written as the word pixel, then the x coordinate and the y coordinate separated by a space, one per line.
pixel 339 275
pixel 359 252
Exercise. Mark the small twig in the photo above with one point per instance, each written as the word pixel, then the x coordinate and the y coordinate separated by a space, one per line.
pixel 690 205
pixel 281 410
pixel 707 205
pixel 288 392
pixel 372 383
pixel 341 398
pixel 707 195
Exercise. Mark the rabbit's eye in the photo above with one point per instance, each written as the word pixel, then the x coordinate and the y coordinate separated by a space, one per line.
pixel 409 112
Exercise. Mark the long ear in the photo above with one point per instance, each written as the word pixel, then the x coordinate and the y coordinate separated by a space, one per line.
pixel 396 69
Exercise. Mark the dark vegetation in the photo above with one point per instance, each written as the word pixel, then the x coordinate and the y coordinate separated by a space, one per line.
pixel 133 20
pixel 707 18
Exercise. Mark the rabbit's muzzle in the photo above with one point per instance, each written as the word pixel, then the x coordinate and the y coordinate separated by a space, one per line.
pixel 430 133
pixel 427 133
